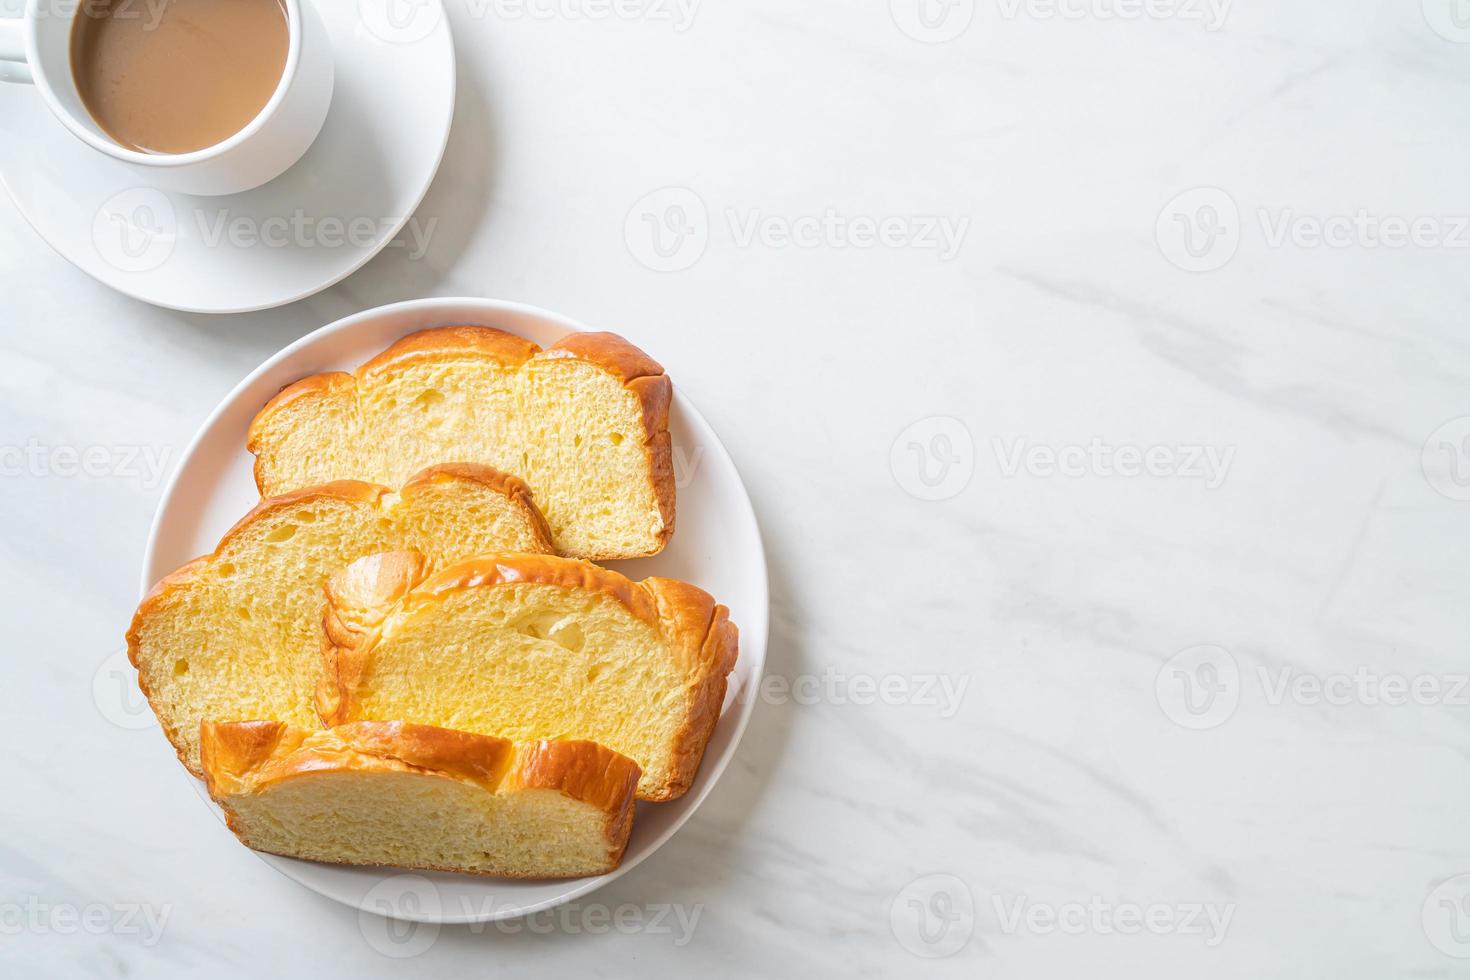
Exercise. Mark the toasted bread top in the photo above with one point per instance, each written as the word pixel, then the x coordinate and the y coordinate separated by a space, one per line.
pixel 249 757
pixel 380 595
pixel 634 370
pixel 366 592
pixel 510 486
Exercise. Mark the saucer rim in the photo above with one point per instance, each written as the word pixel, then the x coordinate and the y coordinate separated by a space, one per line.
pixel 387 236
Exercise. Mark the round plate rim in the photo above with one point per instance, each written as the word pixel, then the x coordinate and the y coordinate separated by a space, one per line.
pixel 753 642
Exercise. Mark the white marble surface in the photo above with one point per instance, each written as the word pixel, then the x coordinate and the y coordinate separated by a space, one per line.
pixel 1065 776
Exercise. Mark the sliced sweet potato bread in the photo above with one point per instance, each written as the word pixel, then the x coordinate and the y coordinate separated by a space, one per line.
pixel 585 423
pixel 236 635
pixel 415 796
pixel 531 646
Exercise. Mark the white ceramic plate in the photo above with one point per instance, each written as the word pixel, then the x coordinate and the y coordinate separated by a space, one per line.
pixel 716 545
pixel 317 223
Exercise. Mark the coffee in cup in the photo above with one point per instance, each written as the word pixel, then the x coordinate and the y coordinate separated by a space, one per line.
pixel 178 76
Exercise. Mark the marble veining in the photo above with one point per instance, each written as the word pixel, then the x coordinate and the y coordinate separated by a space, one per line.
pixel 1117 539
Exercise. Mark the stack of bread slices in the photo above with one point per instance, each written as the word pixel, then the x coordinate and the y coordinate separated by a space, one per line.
pixel 405 655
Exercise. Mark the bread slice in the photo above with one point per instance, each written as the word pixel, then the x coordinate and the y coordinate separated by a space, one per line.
pixel 413 796
pixel 236 634
pixel 531 646
pixel 585 423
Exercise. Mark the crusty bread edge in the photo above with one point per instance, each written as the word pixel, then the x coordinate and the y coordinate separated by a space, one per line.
pixel 639 373
pixel 700 630
pixel 186 574
pixel 510 486
pixel 507 485
pixel 244 758
pixel 314 386
pixel 650 385
pixel 704 642
pixel 432 343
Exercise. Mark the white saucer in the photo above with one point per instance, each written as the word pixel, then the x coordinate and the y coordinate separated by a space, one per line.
pixel 716 545
pixel 372 164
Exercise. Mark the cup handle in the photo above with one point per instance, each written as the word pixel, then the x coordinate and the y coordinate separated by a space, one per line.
pixel 13 52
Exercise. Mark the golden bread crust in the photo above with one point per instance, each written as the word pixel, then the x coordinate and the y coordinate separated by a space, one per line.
pixel 586 771
pixel 230 753
pixel 332 384
pixel 612 353
pixel 450 342
pixel 363 596
pixel 312 386
pixel 640 374
pixel 568 573
pixel 655 395
pixel 710 644
pixel 512 487
pixel 347 490
pixel 338 490
pixel 359 598
pixel 185 575
pixel 247 758
pixel 645 377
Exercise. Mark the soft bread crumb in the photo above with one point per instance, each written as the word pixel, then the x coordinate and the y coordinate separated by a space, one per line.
pixel 238 634
pixel 532 646
pixel 585 425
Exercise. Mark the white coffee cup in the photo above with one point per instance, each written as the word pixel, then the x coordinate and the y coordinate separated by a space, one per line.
pixel 36 48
